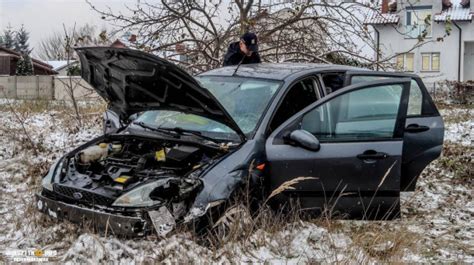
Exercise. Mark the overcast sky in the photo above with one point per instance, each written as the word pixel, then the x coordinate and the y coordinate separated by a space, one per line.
pixel 42 17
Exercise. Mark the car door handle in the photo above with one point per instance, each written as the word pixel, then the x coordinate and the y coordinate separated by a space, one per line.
pixel 372 155
pixel 415 128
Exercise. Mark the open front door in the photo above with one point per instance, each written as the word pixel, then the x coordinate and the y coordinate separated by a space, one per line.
pixel 424 128
pixel 357 167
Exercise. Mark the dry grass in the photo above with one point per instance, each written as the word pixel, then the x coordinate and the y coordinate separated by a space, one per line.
pixel 240 223
pixel 39 106
pixel 60 112
pixel 441 104
pixel 462 116
pixel 458 159
pixel 287 185
pixel 382 242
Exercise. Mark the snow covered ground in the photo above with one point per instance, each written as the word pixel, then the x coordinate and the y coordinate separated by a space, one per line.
pixel 437 223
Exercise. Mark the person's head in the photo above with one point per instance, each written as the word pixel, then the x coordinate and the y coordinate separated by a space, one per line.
pixel 248 43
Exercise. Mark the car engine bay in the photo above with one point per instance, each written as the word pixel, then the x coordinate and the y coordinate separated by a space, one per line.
pixel 103 171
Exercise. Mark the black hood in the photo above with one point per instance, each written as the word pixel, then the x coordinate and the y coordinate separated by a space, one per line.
pixel 132 81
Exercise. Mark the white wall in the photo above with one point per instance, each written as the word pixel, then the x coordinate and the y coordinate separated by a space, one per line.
pixel 82 90
pixel 45 87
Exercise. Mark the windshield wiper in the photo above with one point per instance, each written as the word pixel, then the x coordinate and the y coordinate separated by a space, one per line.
pixel 163 131
pixel 176 132
pixel 181 131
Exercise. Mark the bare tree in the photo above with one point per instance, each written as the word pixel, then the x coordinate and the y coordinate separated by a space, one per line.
pixel 52 47
pixel 307 30
pixel 301 30
pixel 23 135
pixel 70 84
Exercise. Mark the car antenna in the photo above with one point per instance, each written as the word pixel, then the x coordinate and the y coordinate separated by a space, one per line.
pixel 237 68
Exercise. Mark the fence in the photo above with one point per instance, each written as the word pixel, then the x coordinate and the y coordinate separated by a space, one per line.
pixel 45 87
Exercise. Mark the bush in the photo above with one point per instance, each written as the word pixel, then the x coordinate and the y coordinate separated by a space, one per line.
pixel 461 92
pixel 457 159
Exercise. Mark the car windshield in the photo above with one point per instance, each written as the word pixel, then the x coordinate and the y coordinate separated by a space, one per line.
pixel 245 99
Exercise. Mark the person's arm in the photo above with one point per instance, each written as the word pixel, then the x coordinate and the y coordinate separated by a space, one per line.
pixel 228 60
pixel 257 58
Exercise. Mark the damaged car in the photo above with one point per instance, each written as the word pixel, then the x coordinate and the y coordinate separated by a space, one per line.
pixel 177 146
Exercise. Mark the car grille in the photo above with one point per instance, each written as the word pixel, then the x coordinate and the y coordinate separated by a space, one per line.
pixel 81 195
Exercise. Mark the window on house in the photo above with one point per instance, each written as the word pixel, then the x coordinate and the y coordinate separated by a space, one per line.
pixel 430 62
pixel 406 62
pixel 418 22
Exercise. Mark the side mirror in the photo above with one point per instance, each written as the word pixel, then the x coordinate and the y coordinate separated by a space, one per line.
pixel 305 139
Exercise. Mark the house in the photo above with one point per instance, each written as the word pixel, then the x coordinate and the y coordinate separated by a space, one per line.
pixel 9 59
pixel 62 67
pixel 445 28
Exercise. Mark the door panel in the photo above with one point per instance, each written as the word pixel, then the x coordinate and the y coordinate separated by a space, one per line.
pixel 357 169
pixel 340 174
pixel 421 145
pixel 420 148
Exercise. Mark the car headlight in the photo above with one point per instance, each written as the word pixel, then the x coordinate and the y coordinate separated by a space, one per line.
pixel 138 197
pixel 47 181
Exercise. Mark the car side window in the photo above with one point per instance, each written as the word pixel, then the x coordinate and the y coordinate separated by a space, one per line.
pixel 300 95
pixel 367 113
pixel 415 101
pixel 356 79
pixel 333 82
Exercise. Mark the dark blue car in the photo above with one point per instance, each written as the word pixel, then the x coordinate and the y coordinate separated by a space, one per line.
pixel 176 146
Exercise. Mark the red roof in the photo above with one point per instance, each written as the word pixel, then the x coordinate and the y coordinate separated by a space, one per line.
pixel 36 63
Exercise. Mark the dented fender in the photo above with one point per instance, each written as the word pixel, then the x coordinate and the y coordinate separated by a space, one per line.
pixel 221 181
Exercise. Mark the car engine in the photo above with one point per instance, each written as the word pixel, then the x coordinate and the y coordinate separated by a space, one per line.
pixel 98 174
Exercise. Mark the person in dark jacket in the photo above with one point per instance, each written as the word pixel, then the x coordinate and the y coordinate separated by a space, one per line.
pixel 244 51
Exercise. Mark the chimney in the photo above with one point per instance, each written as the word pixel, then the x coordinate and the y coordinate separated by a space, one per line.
pixel 446 4
pixel 384 6
pixel 392 6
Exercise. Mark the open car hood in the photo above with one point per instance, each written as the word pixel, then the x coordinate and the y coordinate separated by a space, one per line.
pixel 132 81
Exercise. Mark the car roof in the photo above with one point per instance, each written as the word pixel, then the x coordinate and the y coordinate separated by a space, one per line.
pixel 276 71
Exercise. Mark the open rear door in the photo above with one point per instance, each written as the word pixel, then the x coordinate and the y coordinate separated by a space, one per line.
pixel 424 128
pixel 357 168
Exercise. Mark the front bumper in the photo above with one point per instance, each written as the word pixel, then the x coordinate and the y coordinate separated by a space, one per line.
pixel 121 225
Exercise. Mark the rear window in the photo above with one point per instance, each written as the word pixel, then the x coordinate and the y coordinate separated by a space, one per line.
pixel 419 102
